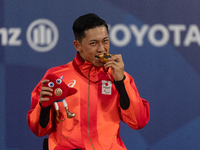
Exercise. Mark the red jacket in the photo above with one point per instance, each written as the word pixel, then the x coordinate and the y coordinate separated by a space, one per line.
pixel 96 124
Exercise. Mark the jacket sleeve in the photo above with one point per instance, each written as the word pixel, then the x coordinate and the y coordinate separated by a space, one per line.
pixel 135 111
pixel 37 114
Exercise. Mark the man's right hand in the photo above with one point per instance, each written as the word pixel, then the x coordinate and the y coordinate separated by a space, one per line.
pixel 45 91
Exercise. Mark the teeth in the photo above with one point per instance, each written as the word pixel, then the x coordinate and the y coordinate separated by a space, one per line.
pixel 101 55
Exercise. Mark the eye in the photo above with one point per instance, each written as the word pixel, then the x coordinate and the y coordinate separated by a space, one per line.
pixel 93 43
pixel 105 41
pixel 51 84
pixel 58 81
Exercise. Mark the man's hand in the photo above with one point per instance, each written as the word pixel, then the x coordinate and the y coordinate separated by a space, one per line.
pixel 117 67
pixel 45 91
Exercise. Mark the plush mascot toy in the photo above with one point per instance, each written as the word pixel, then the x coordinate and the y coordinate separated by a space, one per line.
pixel 60 92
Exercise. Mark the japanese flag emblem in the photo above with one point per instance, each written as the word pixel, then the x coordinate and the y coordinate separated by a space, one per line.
pixel 106 87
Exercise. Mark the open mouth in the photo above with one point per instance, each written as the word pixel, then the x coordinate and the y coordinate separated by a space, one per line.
pixel 97 57
pixel 100 56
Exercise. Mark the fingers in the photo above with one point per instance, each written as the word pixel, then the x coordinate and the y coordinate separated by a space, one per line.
pixel 117 57
pixel 43 82
pixel 45 91
pixel 115 62
pixel 43 99
pixel 117 67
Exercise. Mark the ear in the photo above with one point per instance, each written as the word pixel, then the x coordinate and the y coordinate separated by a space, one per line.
pixel 77 45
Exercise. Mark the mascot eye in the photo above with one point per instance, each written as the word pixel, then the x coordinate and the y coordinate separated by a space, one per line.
pixel 58 81
pixel 51 84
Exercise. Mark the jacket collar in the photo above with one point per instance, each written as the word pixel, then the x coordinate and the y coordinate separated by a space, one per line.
pixel 89 71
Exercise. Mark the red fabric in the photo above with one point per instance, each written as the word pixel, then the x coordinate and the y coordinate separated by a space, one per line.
pixel 96 124
pixel 56 84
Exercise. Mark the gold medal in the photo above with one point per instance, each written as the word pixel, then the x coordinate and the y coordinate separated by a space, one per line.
pixel 58 92
pixel 104 58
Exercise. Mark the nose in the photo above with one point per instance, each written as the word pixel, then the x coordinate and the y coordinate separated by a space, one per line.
pixel 101 48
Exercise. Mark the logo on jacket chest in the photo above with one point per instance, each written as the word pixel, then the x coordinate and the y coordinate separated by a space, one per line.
pixel 106 87
pixel 72 83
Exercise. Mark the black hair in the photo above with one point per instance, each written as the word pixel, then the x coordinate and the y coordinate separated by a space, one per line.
pixel 86 22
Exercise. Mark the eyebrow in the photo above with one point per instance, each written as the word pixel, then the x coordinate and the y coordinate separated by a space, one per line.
pixel 105 37
pixel 97 40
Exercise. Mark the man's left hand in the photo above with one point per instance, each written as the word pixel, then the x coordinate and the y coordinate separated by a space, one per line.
pixel 117 66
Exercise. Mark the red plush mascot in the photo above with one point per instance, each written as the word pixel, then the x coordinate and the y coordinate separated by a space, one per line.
pixel 60 91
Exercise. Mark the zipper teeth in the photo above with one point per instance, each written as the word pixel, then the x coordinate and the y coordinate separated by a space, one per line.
pixel 89 110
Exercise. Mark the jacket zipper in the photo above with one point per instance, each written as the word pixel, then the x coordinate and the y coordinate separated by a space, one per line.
pixel 89 109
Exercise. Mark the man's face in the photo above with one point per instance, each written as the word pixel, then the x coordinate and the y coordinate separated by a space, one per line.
pixel 95 43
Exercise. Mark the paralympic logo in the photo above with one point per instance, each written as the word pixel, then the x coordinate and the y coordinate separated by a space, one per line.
pixel 42 35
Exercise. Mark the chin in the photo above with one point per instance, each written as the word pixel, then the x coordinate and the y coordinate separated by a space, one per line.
pixel 99 65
